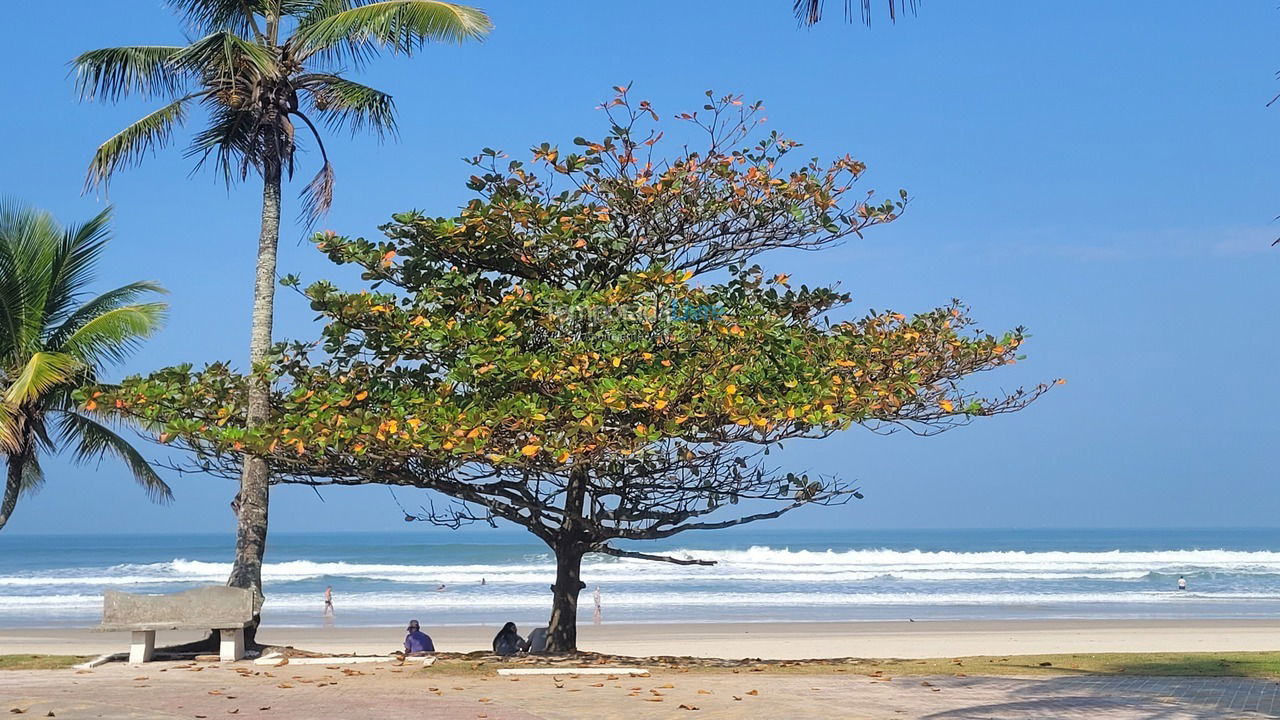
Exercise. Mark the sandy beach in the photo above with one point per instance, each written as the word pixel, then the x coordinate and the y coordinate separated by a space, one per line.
pixel 785 641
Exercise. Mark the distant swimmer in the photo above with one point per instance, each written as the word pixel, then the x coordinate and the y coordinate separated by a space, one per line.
pixel 482 581
pixel 1182 583
pixel 441 588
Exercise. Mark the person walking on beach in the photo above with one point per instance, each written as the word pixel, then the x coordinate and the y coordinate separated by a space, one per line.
pixel 1182 583
pixel 328 601
pixel 595 597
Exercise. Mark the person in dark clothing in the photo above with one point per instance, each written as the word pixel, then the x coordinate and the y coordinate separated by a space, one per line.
pixel 508 641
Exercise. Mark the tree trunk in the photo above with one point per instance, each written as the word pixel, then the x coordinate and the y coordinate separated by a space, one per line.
pixel 569 546
pixel 12 488
pixel 562 629
pixel 251 532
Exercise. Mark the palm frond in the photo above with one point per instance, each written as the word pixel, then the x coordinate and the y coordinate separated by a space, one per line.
pixel 224 57
pixel 114 73
pixel 401 26
pixel 317 197
pixel 8 429
pixel 27 241
pixel 809 12
pixel 31 476
pixel 107 301
pixel 342 103
pixel 212 15
pixel 110 337
pixel 94 441
pixel 40 374
pixel 229 139
pixel 73 266
pixel 131 145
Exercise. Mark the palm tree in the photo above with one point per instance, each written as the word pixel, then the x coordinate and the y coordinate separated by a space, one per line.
pixel 258 67
pixel 51 343
pixel 809 12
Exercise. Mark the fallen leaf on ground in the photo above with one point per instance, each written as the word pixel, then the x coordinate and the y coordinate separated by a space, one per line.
pixel 688 707
pixel 704 692
pixel 753 692
pixel 653 699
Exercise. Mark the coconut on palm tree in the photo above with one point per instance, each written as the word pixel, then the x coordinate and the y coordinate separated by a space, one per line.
pixel 259 71
pixel 54 339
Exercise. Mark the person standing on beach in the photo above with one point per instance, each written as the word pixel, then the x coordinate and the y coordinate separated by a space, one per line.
pixel 328 600
pixel 595 596
pixel 1182 583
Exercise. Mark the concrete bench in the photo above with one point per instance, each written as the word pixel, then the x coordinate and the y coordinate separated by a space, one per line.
pixel 225 609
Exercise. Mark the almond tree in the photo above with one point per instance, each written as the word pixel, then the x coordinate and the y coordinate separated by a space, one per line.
pixel 588 350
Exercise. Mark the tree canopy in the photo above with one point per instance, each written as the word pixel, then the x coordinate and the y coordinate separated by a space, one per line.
pixel 588 349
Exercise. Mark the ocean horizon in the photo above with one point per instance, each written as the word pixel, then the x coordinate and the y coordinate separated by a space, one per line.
pixel 761 575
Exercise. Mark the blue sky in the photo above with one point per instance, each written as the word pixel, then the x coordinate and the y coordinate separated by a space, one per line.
pixel 1102 173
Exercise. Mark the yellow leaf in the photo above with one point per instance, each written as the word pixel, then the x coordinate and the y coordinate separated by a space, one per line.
pixel 530 450
pixel 946 405
pixel 617 362
pixel 730 389
pixel 362 395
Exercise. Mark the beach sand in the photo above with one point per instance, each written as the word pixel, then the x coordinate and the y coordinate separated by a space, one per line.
pixel 470 689
pixel 784 641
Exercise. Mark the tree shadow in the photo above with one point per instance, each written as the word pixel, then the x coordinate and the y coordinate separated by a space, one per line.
pixel 1151 696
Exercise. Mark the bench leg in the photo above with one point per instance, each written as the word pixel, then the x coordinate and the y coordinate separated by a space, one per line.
pixel 232 645
pixel 142 646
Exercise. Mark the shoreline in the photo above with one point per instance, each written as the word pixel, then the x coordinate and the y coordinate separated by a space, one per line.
pixel 777 641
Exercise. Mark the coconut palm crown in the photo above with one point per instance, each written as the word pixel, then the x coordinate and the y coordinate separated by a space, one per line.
pixel 261 68
pixel 55 338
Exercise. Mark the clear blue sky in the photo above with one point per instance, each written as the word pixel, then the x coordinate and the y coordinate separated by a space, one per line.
pixel 1103 173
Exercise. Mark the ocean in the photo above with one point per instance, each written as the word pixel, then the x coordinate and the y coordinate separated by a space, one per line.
pixel 760 575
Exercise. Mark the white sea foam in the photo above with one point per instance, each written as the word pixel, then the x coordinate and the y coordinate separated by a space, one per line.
pixel 443 602
pixel 759 564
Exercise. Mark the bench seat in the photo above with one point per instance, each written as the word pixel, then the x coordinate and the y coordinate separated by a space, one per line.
pixel 225 609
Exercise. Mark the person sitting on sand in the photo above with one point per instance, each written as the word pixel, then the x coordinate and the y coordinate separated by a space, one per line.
pixel 537 642
pixel 508 641
pixel 417 642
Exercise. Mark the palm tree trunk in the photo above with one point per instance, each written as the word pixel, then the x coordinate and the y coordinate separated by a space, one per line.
pixel 251 533
pixel 12 488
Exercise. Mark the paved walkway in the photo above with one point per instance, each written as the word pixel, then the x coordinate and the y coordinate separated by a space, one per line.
pixel 169 690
